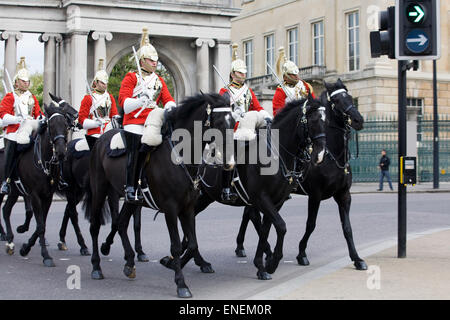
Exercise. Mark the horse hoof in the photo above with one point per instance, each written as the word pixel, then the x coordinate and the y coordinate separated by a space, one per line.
pixel 207 269
pixel 10 248
pixel 105 249
pixel 360 265
pixel 184 293
pixel 62 246
pixel 129 272
pixel 21 229
pixel 303 261
pixel 85 252
pixel 240 253
pixel 49 263
pixel 97 275
pixel 167 262
pixel 262 275
pixel 24 250
pixel 143 258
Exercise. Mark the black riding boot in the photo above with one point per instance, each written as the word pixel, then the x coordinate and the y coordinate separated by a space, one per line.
pixel 228 195
pixel 91 141
pixel 132 142
pixel 10 162
pixel 62 184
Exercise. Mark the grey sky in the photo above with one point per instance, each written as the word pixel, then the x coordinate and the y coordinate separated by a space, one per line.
pixel 30 48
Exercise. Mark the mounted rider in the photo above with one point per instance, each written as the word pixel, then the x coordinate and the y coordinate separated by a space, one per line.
pixel 98 107
pixel 295 87
pixel 138 100
pixel 15 108
pixel 242 99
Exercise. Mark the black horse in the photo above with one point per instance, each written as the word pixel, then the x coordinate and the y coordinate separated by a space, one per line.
pixel 299 125
pixel 7 209
pixel 173 183
pixel 333 178
pixel 39 169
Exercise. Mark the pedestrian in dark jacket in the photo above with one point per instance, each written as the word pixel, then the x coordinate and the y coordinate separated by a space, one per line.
pixel 384 167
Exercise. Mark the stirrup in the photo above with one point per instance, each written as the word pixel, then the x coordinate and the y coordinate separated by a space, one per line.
pixel 62 185
pixel 228 196
pixel 132 195
pixel 6 188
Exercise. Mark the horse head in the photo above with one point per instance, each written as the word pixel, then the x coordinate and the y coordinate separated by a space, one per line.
pixel 57 127
pixel 301 125
pixel 342 104
pixel 214 113
pixel 67 110
pixel 315 118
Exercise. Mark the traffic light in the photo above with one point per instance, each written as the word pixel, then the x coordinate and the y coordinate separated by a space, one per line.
pixel 382 42
pixel 417 29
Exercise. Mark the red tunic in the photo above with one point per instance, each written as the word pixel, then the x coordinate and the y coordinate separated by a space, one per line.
pixel 279 98
pixel 85 109
pixel 126 91
pixel 7 107
pixel 254 103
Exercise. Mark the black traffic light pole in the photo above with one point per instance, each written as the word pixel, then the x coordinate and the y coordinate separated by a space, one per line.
pixel 435 131
pixel 401 252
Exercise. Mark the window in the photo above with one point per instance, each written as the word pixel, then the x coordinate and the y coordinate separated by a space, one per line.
pixel 293 45
pixel 353 40
pixel 248 57
pixel 417 102
pixel 318 44
pixel 270 52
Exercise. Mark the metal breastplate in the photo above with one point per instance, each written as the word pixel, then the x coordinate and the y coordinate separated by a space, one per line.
pixel 25 104
pixel 243 100
pixel 297 92
pixel 153 85
pixel 104 105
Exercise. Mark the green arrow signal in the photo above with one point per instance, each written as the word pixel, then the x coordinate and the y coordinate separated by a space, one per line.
pixel 418 13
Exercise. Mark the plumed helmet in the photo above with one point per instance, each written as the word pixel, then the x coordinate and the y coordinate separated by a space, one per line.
pixel 147 50
pixel 285 66
pixel 237 64
pixel 101 74
pixel 22 72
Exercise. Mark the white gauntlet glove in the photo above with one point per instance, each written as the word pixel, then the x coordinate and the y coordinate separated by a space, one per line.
pixel 91 123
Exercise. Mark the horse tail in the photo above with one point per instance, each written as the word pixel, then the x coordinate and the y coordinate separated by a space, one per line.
pixel 105 212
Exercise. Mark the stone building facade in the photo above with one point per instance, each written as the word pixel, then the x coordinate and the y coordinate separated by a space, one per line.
pixel 330 39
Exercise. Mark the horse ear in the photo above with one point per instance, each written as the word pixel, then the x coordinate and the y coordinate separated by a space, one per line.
pixel 339 82
pixel 54 98
pixel 327 85
pixel 45 110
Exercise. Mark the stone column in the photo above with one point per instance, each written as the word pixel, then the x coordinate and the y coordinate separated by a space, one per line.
pixel 100 46
pixel 203 64
pixel 78 67
pixel 10 63
pixel 49 40
pixel 223 63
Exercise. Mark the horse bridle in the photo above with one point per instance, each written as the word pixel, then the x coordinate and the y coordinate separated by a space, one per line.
pixel 198 177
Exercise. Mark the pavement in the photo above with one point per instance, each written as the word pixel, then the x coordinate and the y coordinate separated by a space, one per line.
pixel 424 274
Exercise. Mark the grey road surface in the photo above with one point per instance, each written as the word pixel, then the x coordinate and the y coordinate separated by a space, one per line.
pixel 373 217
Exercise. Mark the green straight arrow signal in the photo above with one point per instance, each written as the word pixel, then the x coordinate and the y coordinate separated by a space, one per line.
pixel 418 13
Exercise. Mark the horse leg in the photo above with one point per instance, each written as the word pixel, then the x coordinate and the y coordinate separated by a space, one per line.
pixel 344 201
pixel 280 227
pixel 202 203
pixel 124 219
pixel 41 218
pixel 313 209
pixel 62 231
pixel 141 256
pixel 72 202
pixel 113 201
pixel 7 209
pixel 175 250
pixel 262 243
pixel 240 251
pixel 94 229
pixel 28 215
pixel 2 231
